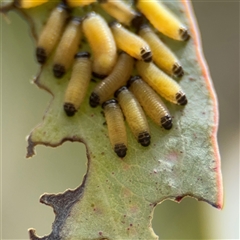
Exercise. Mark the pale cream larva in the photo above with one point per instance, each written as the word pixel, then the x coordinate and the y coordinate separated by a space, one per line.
pixel 135 116
pixel 161 83
pixel 51 32
pixel 67 47
pixel 78 84
pixel 131 43
pixel 116 127
pixel 122 12
pixel 102 44
pixel 151 102
pixel 118 77
pixel 162 55
pixel 163 19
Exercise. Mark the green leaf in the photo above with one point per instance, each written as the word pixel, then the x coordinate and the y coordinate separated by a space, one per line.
pixel 117 197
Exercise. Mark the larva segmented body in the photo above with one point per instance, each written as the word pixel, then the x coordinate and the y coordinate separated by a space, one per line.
pixel 151 102
pixel 135 116
pixel 116 127
pixel 102 44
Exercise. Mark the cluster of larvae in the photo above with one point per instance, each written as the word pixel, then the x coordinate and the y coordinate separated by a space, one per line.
pixel 116 50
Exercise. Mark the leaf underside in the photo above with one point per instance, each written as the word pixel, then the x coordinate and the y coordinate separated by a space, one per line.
pixel 117 197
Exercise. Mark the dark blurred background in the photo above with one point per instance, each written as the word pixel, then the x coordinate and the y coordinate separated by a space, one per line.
pixel 23 106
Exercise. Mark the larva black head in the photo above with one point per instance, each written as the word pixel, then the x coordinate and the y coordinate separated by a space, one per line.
pixel 109 102
pixel 166 122
pixel 177 70
pixel 146 54
pixel 100 76
pixel 133 79
pixel 69 109
pixel 94 100
pixel 58 70
pixel 120 90
pixel 82 55
pixel 41 55
pixel 144 139
pixel 138 20
pixel 120 149
pixel 181 98
pixel 183 32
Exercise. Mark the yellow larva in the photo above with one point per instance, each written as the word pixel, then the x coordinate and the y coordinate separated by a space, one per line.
pixel 116 127
pixel 131 43
pixel 67 47
pixel 118 77
pixel 162 19
pixel 134 114
pixel 121 11
pixel 162 55
pixel 28 3
pixel 151 102
pixel 78 84
pixel 161 83
pixel 51 32
pixel 102 44
pixel 79 3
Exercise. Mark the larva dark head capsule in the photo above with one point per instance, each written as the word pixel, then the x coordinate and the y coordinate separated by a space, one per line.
pixel 69 109
pixel 94 100
pixel 132 80
pixel 58 70
pixel 41 55
pixel 138 20
pixel 166 122
pixel 183 32
pixel 119 90
pixel 181 98
pixel 144 139
pixel 99 76
pixel 177 70
pixel 114 101
pixel 120 150
pixel 146 54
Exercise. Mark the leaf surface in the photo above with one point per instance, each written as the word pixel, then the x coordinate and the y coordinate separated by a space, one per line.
pixel 117 196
